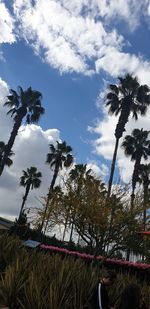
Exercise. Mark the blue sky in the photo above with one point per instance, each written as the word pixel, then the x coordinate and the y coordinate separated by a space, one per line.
pixel 70 50
pixel 69 98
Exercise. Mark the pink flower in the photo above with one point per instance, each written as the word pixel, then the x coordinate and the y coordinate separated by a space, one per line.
pixel 88 257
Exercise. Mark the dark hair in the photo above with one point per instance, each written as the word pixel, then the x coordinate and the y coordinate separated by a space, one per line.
pixel 130 297
pixel 111 275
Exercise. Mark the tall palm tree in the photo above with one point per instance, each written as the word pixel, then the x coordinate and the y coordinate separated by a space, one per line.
pixel 137 146
pixel 8 161
pixel 144 179
pixel 22 104
pixel 58 157
pixel 128 97
pixel 30 180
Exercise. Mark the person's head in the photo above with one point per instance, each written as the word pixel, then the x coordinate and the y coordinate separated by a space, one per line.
pixel 109 277
pixel 130 297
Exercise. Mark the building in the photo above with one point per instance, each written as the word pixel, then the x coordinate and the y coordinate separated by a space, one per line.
pixel 5 224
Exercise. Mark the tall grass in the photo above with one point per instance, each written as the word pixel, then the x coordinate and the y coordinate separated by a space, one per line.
pixel 32 279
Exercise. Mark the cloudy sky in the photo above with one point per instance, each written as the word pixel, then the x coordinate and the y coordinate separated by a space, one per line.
pixel 69 50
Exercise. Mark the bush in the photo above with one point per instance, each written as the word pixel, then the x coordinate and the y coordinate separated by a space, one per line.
pixel 34 279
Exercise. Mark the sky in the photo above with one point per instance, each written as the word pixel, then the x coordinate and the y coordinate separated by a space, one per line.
pixel 69 50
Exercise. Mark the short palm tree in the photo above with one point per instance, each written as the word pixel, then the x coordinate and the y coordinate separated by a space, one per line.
pixel 58 157
pixel 8 162
pixel 128 97
pixel 137 146
pixel 80 175
pixel 30 180
pixel 144 179
pixel 24 104
pixel 80 170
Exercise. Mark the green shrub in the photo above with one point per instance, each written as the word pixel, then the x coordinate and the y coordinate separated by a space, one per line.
pixel 34 279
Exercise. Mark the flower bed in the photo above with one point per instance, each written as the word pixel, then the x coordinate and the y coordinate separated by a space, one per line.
pixel 88 257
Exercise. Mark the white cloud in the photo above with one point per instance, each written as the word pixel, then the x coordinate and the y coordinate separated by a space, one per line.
pixel 30 148
pixel 77 6
pixel 130 10
pixel 63 39
pixel 2 58
pixel 148 9
pixel 104 144
pixel 3 89
pixel 99 171
pixel 71 35
pixel 5 121
pixel 6 25
pixel 117 63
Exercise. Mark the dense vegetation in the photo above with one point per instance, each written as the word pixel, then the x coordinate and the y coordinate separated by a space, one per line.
pixel 34 279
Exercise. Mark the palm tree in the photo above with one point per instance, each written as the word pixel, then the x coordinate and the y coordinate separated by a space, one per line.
pixel 80 172
pixel 30 180
pixel 123 99
pixel 58 158
pixel 144 179
pixel 22 104
pixel 137 146
pixel 79 176
pixel 8 161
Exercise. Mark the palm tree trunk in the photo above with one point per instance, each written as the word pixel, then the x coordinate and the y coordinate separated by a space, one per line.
pixel 145 185
pixel 111 219
pixel 10 143
pixel 128 255
pixel 145 204
pixel 72 227
pixel 71 233
pixel 65 227
pixel 49 197
pixel 134 181
pixel 144 219
pixel 132 202
pixel 112 167
pixel 24 199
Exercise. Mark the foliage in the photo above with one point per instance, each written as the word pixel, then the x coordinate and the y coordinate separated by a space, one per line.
pixel 34 279
pixel 21 226
pixel 58 157
pixel 24 104
pixel 125 98
pixel 45 282
pixel 103 225
pixel 30 180
pixel 9 161
pixel 137 146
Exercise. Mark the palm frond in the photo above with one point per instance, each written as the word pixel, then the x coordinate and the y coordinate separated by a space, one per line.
pixel 68 161
pixel 9 162
pixel 114 88
pixel 31 176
